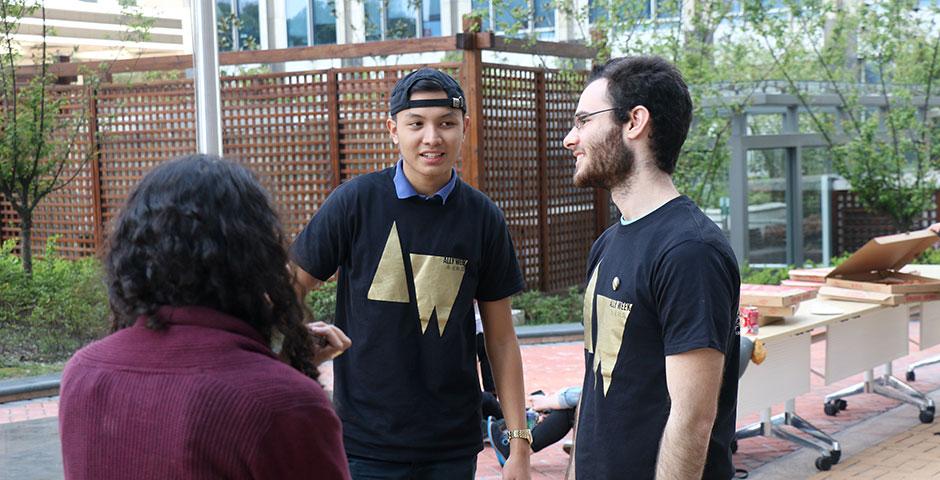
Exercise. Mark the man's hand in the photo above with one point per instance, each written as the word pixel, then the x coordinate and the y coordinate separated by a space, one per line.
pixel 935 228
pixel 542 402
pixel 332 341
pixel 517 465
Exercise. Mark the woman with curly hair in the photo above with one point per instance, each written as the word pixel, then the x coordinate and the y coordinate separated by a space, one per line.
pixel 189 385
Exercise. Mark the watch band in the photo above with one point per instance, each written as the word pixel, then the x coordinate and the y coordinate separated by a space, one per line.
pixel 524 433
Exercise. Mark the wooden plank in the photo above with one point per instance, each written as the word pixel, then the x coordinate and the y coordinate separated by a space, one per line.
pixel 94 142
pixel 471 73
pixel 542 161
pixel 333 112
pixel 488 41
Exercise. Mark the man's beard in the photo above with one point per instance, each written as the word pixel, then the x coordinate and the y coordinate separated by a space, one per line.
pixel 608 164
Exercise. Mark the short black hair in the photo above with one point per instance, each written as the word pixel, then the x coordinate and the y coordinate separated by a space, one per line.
pixel 656 84
pixel 202 231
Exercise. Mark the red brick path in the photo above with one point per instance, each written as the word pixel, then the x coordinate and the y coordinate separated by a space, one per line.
pixel 553 366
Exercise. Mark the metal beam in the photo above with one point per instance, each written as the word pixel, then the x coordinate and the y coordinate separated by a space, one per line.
pixel 737 189
pixel 206 76
pixel 794 191
pixel 787 140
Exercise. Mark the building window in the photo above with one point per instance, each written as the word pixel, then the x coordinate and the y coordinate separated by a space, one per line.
pixel 391 19
pixel 310 19
pixel 238 24
pixel 518 16
pixel 431 18
pixel 637 10
pixel 640 10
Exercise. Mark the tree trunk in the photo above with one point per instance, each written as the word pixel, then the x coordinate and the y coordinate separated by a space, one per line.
pixel 26 237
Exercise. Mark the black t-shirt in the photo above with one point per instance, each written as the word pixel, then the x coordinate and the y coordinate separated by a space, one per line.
pixel 409 269
pixel 665 284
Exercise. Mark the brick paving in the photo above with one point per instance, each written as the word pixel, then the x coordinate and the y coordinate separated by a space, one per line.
pixel 914 454
pixel 29 410
pixel 550 367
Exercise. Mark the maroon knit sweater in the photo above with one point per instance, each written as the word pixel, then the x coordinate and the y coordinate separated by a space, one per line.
pixel 203 398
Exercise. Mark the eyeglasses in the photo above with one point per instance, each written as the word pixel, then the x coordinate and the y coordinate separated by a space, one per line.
pixel 581 118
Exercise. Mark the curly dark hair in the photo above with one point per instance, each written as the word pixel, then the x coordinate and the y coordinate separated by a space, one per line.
pixel 656 84
pixel 201 231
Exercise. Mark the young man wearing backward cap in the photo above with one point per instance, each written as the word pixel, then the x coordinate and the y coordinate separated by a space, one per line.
pixel 414 246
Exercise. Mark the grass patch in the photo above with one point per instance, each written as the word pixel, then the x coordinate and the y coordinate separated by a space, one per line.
pixel 29 369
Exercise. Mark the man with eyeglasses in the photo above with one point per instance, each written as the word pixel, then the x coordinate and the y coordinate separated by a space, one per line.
pixel 660 314
pixel 414 246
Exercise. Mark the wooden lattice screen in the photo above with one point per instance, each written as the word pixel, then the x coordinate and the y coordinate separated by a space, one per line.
pixel 853 226
pixel 278 126
pixel 140 126
pixel 527 171
pixel 570 211
pixel 304 133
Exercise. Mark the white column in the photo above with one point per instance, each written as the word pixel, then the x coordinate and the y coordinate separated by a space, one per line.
pixel 276 24
pixel 206 78
pixel 459 8
pixel 355 21
pixel 343 35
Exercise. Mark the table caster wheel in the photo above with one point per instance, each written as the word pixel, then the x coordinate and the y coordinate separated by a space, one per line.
pixel 831 408
pixel 842 404
pixel 734 447
pixel 824 463
pixel 835 455
pixel 910 376
pixel 926 416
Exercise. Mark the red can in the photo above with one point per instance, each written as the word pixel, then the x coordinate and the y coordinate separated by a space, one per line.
pixel 749 318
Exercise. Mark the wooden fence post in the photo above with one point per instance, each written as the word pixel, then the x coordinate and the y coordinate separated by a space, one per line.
pixel 94 143
pixel 541 120
pixel 471 79
pixel 332 93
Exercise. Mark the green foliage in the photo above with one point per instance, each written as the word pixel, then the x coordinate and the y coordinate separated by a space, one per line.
pixel 764 276
pixel 541 308
pixel 930 257
pixel 48 316
pixel 883 48
pixel 322 302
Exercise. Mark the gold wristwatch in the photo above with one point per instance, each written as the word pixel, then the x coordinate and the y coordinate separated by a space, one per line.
pixel 524 433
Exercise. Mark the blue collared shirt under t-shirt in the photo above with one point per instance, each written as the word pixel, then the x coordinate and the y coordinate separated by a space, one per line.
pixel 404 189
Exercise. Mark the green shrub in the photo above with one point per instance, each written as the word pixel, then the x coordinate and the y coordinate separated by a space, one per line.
pixel 764 276
pixel 541 308
pixel 47 317
pixel 322 302
pixel 930 257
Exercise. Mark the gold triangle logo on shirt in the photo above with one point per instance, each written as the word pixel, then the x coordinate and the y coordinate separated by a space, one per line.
pixel 611 322
pixel 437 281
pixel 390 283
pixel 589 310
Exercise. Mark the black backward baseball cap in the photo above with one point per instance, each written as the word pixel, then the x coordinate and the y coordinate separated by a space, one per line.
pixel 401 94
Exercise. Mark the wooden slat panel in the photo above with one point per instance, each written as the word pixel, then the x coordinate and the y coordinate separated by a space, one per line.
pixel 278 126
